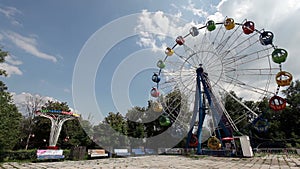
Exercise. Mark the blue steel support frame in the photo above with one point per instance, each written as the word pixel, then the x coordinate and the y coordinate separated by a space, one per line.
pixel 200 110
pixel 199 106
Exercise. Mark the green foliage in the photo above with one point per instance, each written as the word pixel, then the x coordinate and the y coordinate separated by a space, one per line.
pixel 10 117
pixel 284 125
pixel 73 134
pixel 51 105
pixel 9 123
pixel 67 154
pixel 18 155
pixel 3 54
pixel 293 95
pixel 26 155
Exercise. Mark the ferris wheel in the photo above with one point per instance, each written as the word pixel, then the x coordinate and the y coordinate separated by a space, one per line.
pixel 210 60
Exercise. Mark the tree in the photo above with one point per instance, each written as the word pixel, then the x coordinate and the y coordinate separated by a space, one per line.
pixel 135 128
pixel 236 111
pixel 73 134
pixel 32 104
pixel 290 120
pixel 3 54
pixel 9 123
pixel 10 116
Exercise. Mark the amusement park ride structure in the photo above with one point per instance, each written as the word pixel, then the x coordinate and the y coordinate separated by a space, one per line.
pixel 227 56
pixel 57 118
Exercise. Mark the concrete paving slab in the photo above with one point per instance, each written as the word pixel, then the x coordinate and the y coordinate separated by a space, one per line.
pixel 163 161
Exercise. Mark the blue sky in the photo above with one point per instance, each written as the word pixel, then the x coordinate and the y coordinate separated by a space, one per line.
pixel 44 39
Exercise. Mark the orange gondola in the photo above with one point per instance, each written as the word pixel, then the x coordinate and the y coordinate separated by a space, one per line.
pixel 284 78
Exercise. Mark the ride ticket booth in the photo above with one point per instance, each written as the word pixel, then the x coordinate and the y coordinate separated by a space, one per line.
pixel 238 146
pixel 242 146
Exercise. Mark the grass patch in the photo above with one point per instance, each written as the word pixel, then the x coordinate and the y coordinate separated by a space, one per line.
pixel 196 157
pixel 260 154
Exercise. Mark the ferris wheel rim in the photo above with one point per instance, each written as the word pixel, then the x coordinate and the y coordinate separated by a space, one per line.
pixel 230 61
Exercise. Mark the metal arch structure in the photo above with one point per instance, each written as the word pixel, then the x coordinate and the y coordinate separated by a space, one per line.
pixel 57 118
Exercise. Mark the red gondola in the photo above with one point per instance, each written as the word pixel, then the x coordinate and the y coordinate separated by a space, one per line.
pixel 277 103
pixel 248 27
pixel 180 40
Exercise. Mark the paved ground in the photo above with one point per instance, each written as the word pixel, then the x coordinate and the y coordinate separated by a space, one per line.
pixel 164 162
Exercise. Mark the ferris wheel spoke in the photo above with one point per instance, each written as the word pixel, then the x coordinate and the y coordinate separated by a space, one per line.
pixel 186 59
pixel 258 71
pixel 214 62
pixel 254 60
pixel 213 76
pixel 244 85
pixel 172 101
pixel 241 103
pixel 177 81
pixel 243 43
pixel 203 47
pixel 254 55
pixel 175 65
pixel 190 53
pixel 217 35
pixel 223 43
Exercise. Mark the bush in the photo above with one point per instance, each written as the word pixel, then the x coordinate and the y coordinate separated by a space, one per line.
pixel 67 154
pixel 25 155
pixel 18 155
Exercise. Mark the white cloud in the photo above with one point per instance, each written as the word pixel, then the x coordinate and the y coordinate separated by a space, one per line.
pixel 23 99
pixel 29 45
pixel 12 60
pixel 10 13
pixel 196 11
pixel 11 65
pixel 154 27
pixel 10 69
pixel 280 17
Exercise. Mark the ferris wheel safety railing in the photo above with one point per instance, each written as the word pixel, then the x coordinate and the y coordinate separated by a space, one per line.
pixel 279 55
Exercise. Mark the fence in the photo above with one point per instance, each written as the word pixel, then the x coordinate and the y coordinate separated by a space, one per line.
pixel 277 150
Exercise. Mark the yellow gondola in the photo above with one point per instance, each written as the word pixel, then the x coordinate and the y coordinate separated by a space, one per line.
pixel 214 143
pixel 169 51
pixel 229 23
pixel 157 107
